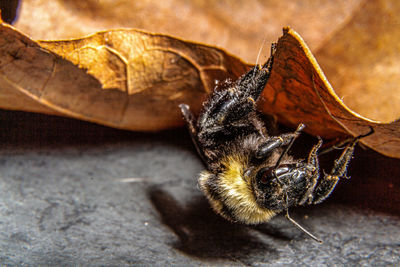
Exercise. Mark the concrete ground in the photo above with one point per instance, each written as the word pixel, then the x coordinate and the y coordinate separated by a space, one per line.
pixel 75 193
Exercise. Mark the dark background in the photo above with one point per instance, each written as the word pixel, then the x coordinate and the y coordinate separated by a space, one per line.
pixel 65 200
pixel 9 10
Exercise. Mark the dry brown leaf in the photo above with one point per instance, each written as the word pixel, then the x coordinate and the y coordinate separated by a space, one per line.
pixel 137 79
pixel 362 60
pixel 238 26
pixel 14 99
pixel 298 91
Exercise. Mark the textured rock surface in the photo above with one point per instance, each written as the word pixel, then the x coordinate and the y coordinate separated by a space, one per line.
pixel 77 193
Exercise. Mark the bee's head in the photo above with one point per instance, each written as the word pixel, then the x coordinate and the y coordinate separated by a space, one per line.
pixel 251 195
pixel 277 188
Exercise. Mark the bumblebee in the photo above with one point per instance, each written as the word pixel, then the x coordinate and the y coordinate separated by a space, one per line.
pixel 250 176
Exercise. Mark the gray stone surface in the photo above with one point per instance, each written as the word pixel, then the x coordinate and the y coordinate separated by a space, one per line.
pixel 75 193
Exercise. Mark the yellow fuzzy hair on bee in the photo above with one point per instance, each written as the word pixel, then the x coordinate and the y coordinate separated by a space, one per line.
pixel 234 193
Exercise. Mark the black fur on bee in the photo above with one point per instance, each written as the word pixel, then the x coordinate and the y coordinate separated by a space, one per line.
pixel 250 177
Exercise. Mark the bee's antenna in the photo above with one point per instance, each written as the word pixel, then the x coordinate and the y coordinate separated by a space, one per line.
pixel 302 228
pixel 298 225
pixel 296 134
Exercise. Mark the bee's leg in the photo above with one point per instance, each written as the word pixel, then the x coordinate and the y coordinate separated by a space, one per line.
pixel 329 181
pixel 343 143
pixel 274 142
pixel 191 124
pixel 252 83
pixel 227 114
pixel 236 104
pixel 313 163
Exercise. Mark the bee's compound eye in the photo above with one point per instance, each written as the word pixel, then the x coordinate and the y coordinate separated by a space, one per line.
pixel 265 175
